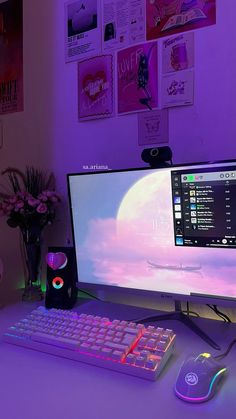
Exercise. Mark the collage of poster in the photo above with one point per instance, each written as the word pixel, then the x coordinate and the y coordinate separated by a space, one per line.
pixel 11 53
pixel 132 55
pixel 123 65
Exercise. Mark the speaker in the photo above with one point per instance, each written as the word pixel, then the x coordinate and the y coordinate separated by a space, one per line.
pixel 157 157
pixel 62 279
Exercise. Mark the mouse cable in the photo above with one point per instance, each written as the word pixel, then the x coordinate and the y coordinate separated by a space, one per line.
pixel 219 313
pixel 227 351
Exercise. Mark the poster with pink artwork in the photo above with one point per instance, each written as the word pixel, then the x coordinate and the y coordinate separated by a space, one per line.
pixel 178 89
pixel 96 87
pixel 178 53
pixel 11 56
pixel 168 17
pixel 137 78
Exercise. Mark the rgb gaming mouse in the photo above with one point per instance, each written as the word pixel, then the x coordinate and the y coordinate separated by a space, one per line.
pixel 198 378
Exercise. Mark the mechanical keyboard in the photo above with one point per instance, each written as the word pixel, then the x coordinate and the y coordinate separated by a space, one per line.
pixel 114 344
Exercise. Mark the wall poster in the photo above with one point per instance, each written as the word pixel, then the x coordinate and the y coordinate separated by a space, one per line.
pixel 168 17
pixel 178 53
pixel 123 23
pixel 82 29
pixel 153 127
pixel 96 87
pixel 178 70
pixel 178 89
pixel 11 56
pixel 137 78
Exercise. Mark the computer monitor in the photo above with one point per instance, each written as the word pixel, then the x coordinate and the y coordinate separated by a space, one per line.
pixel 169 231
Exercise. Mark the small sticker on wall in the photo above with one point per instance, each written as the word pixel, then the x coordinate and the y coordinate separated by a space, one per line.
pixel 153 127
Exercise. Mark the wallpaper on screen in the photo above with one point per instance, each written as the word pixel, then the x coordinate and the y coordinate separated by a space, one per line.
pixel 123 226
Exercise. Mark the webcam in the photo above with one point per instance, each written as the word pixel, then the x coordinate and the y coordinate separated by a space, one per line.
pixel 157 157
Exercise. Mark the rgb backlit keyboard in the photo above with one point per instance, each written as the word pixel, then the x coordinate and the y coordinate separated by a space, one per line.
pixel 114 344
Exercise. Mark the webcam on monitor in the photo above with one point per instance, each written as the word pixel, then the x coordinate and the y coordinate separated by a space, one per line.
pixel 157 157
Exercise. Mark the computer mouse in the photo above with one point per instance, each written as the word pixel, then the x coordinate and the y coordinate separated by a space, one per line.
pixel 198 378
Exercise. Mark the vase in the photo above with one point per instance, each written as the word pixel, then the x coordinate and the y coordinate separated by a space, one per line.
pixel 32 242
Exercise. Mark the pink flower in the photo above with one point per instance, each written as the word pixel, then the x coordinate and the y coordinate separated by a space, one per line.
pixel 42 208
pixel 33 202
pixel 19 205
pixel 42 197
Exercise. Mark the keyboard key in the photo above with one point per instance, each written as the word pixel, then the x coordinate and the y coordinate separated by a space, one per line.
pixel 130 359
pixel 140 361
pixel 54 340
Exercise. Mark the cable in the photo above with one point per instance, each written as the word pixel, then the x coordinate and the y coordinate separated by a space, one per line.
pixel 188 311
pixel 222 314
pixel 215 311
pixel 219 313
pixel 227 350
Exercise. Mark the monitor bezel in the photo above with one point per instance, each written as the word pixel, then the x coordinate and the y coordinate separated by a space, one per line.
pixel 168 296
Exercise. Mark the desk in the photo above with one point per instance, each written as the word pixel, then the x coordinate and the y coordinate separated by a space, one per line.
pixel 34 385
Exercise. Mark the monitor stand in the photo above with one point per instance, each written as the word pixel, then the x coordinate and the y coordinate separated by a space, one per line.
pixel 179 315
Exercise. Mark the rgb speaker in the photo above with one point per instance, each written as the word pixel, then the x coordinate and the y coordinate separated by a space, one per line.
pixel 61 278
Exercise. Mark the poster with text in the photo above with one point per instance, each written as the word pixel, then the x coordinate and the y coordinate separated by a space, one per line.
pixel 153 127
pixel 137 78
pixel 178 53
pixel 11 56
pixel 96 87
pixel 178 89
pixel 123 23
pixel 168 17
pixel 82 29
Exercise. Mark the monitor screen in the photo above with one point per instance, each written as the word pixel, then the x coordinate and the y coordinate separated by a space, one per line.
pixel 169 230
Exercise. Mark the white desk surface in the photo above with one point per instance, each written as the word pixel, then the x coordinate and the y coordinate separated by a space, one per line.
pixel 35 385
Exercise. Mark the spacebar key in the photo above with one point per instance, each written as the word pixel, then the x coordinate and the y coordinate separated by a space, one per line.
pixel 54 340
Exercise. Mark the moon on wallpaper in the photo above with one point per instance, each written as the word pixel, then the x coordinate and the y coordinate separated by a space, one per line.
pixel 146 209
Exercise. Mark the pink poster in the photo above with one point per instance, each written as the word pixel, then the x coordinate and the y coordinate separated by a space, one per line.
pixel 137 78
pixel 96 87
pixel 11 56
pixel 168 17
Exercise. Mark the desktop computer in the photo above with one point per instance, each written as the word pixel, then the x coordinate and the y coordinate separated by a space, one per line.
pixel 170 232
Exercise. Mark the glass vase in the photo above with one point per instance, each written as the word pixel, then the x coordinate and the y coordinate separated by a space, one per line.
pixel 32 242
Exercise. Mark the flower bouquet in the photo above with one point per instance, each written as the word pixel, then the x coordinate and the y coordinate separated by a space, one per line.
pixel 29 202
